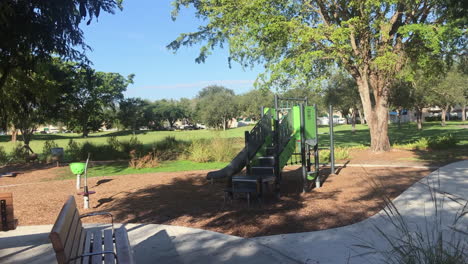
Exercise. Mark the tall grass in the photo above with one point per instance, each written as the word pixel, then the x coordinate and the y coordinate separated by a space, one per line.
pixel 434 242
pixel 217 150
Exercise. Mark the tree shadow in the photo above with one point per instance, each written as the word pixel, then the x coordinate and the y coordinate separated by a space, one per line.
pixel 192 201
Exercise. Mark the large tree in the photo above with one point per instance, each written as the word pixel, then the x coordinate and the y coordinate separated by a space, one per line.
pixel 131 113
pixel 251 103
pixel 297 40
pixel 33 97
pixel 92 92
pixel 32 30
pixel 449 92
pixel 342 93
pixel 216 106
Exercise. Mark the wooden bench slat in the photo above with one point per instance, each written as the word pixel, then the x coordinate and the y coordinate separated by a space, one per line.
pixel 97 247
pixel 77 248
pixel 61 227
pixel 87 248
pixel 109 246
pixel 122 245
pixel 72 235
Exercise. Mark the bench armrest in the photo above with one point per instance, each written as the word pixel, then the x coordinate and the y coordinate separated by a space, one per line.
pixel 92 254
pixel 100 213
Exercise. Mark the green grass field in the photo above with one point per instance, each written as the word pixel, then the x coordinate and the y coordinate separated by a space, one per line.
pixel 121 168
pixel 399 137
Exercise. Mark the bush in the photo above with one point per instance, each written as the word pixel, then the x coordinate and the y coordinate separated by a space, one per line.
pixel 340 154
pixel 19 153
pixel 114 143
pixel 147 161
pixel 433 118
pixel 132 145
pixel 46 150
pixel 3 156
pixel 442 142
pixel 435 142
pixel 218 149
pixel 169 148
pixel 73 151
pixel 199 151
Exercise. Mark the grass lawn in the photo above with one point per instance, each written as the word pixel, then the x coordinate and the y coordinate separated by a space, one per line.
pixel 399 137
pixel 146 137
pixel 121 168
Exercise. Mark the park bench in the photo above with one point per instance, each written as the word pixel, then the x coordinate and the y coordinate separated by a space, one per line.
pixel 7 220
pixel 73 244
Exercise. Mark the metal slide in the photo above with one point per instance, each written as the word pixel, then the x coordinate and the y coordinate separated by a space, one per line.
pixel 254 141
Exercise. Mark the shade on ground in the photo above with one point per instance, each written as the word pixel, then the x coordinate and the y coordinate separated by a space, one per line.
pixel 172 244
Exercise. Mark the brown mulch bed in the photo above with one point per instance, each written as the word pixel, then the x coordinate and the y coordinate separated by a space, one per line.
pixel 187 199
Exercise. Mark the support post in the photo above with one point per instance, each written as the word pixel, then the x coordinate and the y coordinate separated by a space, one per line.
pixel 318 181
pixel 303 148
pixel 78 181
pixel 247 164
pixel 332 143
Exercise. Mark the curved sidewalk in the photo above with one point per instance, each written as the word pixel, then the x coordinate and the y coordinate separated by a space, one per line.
pixel 172 244
pixel 415 205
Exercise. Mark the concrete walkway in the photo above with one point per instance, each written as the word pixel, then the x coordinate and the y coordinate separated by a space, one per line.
pixel 173 244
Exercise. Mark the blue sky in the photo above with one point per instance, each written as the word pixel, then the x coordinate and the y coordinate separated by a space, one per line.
pixel 134 41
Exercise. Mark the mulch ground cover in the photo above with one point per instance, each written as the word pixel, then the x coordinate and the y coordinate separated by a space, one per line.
pixel 188 199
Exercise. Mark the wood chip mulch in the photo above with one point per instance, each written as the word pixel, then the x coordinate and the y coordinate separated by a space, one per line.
pixel 187 199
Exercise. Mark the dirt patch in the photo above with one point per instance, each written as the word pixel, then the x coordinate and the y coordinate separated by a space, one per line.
pixel 187 199
pixel 406 157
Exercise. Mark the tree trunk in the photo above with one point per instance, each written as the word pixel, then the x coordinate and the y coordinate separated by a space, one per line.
pixel 85 131
pixel 376 111
pixel 399 117
pixel 14 134
pixel 224 124
pixel 362 119
pixel 444 114
pixel 353 121
pixel 419 118
pixel 464 112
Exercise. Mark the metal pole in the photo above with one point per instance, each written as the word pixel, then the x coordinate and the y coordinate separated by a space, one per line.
pixel 276 145
pixel 316 151
pixel 303 149
pixel 332 144
pixel 78 181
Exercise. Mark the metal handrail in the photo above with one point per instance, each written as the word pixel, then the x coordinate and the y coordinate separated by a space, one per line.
pixel 285 132
pixel 256 137
pixel 100 213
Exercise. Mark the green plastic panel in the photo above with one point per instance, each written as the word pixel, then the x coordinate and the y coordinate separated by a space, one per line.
pixel 310 123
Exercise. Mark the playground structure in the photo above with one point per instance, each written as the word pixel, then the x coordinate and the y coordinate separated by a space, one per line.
pixel 285 135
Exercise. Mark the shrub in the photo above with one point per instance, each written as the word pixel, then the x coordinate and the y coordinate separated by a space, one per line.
pixel 442 142
pixel 73 151
pixel 132 144
pixel 19 153
pixel 433 118
pixel 222 149
pixel 114 143
pixel 3 156
pixel 199 151
pixel 422 143
pixel 169 148
pixel 340 154
pixel 147 161
pixel 46 150
pixel 217 149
